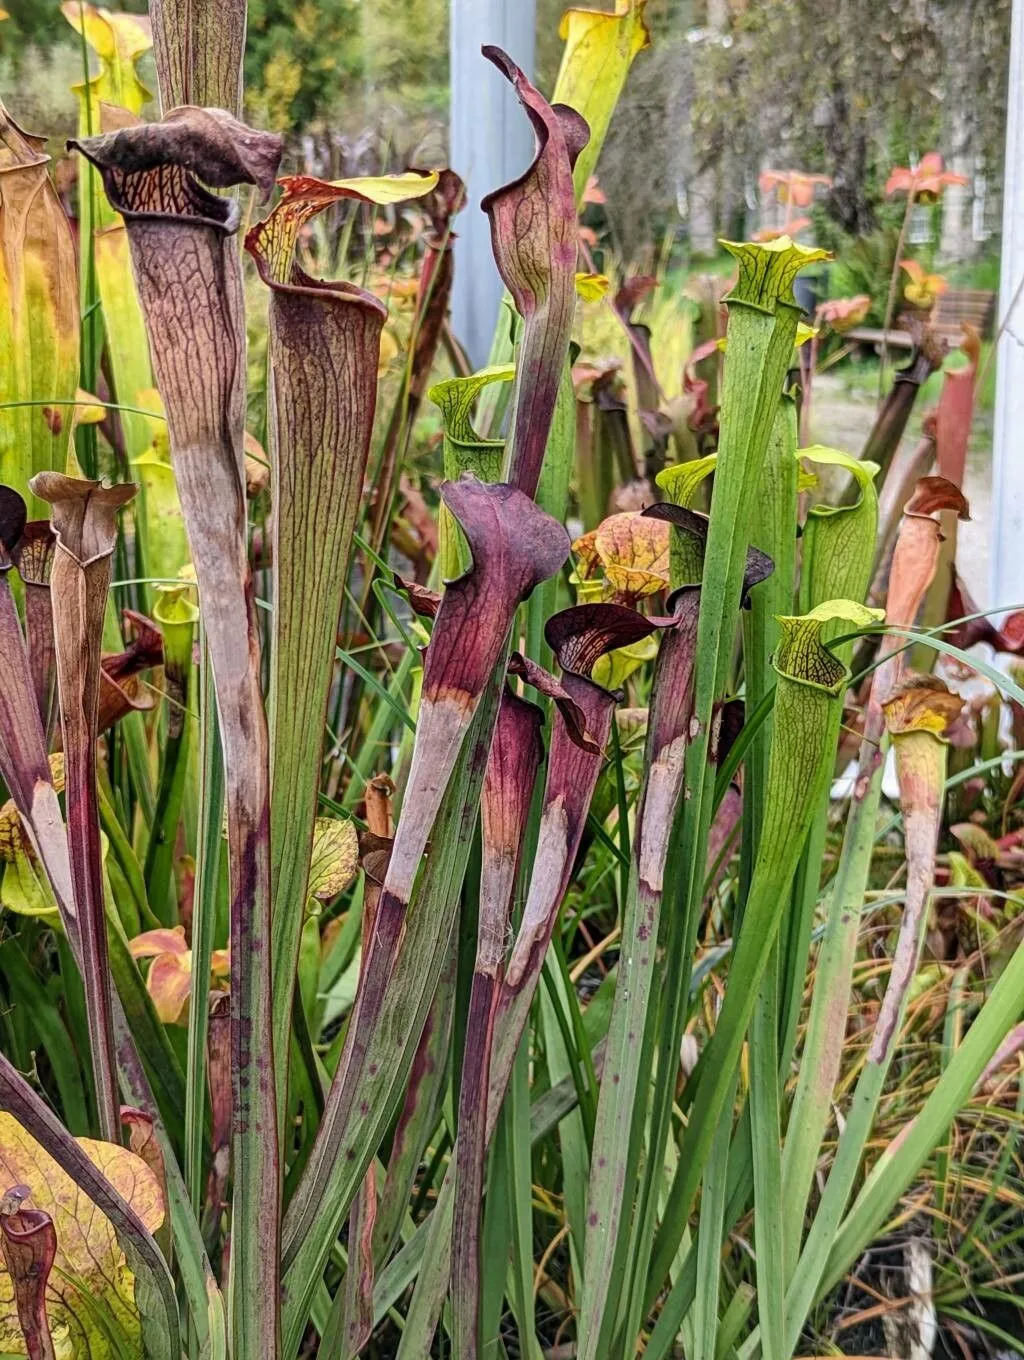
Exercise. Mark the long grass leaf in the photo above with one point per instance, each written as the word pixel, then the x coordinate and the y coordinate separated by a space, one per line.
pixel 762 329
pixel 915 716
pixel 378 1080
pixel 895 1170
pixel 704 1319
pixel 810 680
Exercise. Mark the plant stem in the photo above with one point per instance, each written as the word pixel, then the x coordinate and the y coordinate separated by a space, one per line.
pixel 890 300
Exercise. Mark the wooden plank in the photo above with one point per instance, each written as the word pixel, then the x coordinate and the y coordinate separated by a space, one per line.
pixel 870 335
pixel 974 306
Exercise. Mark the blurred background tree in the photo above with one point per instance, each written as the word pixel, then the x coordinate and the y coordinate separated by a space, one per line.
pixel 299 55
pixel 359 82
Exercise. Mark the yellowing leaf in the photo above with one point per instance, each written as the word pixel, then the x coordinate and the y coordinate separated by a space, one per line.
pixel 614 668
pixel 38 314
pixel 119 40
pixel 804 333
pixel 335 860
pixel 588 560
pixel 113 37
pixel 592 287
pixel 167 549
pixel 125 335
pixel 630 551
pixel 89 1276
pixel 26 889
pixel 634 550
pixel 680 481
pixel 87 408
pixel 272 241
pixel 599 50
pixel 385 189
pixel 923 703
pixel 114 98
pixel 150 400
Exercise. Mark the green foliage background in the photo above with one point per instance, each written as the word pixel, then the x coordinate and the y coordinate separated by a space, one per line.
pixel 321 62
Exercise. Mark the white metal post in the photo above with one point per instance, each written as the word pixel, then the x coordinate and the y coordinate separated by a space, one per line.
pixel 1007 569
pixel 491 142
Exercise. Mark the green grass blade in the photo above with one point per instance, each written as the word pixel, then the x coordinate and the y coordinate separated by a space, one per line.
pixel 419 1115
pixel 204 927
pixel 390 1050
pixel 708 1250
pixel 808 1277
pixel 896 1168
pixel 826 1028
pixel 47 1025
pixel 518 1167
pixel 766 1150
